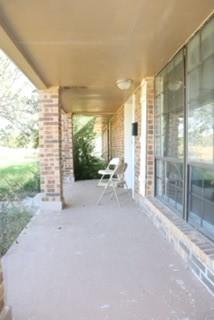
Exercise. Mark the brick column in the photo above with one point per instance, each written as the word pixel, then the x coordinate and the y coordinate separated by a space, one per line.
pixel 105 142
pixel 67 147
pixel 50 148
pixel 150 137
pixel 5 313
pixel 117 134
pixel 138 117
pixel 144 142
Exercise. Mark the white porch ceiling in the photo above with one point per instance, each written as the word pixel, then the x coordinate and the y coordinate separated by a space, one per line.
pixel 90 44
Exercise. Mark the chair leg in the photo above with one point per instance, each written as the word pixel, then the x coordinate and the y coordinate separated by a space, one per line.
pixel 130 195
pixel 116 196
pixel 101 179
pixel 112 194
pixel 101 196
pixel 126 185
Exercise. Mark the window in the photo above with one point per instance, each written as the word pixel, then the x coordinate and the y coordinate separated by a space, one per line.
pixel 201 199
pixel 200 105
pixel 169 133
pixel 187 122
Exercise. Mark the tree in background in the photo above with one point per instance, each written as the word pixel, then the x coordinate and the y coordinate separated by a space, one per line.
pixel 86 165
pixel 18 107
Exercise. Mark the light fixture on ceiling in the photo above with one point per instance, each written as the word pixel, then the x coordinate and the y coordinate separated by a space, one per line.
pixel 124 84
pixel 175 86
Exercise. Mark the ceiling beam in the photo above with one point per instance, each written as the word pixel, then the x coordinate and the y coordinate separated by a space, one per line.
pixel 11 50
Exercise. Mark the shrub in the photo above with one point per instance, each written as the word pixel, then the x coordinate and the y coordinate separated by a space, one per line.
pixel 86 165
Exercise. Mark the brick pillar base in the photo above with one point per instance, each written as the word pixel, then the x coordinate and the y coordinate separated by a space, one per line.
pixel 67 147
pixel 50 148
pixel 5 312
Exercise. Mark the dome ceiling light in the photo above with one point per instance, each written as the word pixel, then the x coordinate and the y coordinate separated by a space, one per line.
pixel 124 84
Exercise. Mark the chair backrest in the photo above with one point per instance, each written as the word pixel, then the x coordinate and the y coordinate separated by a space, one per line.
pixel 120 170
pixel 113 163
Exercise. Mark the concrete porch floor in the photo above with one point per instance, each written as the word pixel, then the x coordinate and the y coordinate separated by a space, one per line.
pixel 93 262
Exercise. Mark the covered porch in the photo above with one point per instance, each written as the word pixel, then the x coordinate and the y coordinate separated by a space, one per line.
pixel 99 262
pixel 76 259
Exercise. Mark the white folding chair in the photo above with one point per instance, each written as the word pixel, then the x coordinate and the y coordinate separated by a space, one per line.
pixel 116 180
pixel 109 170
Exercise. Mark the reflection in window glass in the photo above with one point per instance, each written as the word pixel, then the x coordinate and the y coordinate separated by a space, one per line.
pixel 201 199
pixel 200 95
pixel 169 183
pixel 200 131
pixel 169 132
pixel 200 99
pixel 160 174
pixel 169 113
pixel 174 184
pixel 207 40
pixel 194 53
pixel 199 138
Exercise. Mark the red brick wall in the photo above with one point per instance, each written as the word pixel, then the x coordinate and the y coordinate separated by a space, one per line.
pixel 105 147
pixel 144 98
pixel 67 147
pixel 144 141
pixel 50 144
pixel 150 138
pixel 138 140
pixel 117 134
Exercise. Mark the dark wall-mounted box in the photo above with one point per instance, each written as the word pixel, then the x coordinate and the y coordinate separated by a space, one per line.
pixel 134 128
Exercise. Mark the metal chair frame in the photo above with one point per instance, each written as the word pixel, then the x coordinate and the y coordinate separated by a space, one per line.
pixel 116 180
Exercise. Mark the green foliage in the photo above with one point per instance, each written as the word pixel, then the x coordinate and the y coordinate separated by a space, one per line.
pixel 12 220
pixel 202 175
pixel 86 165
pixel 17 181
pixel 18 107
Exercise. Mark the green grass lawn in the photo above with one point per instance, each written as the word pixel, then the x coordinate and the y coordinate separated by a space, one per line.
pixel 19 177
pixel 19 180
pixel 12 222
